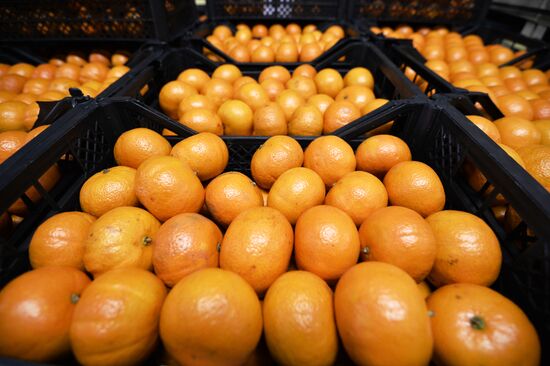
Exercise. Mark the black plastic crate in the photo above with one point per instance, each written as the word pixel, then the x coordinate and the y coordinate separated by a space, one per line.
pixel 131 20
pixel 195 37
pixel 442 139
pixel 313 10
pixel 390 83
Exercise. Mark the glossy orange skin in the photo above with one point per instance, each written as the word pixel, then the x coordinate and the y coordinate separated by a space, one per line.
pixel 329 82
pixel 304 85
pixel 108 189
pixel 378 154
pixel 36 310
pixel 172 94
pixel 194 77
pixel 159 182
pixel 274 157
pixel 122 237
pixel 10 142
pixel 326 242
pixel 277 72
pixel 290 100
pixel 229 194
pixel 359 76
pixel 467 249
pixel 488 127
pixel 512 105
pixel 415 185
pixel 133 147
pixel 237 117
pixel 537 163
pixel 307 120
pixel 269 120
pixel 339 114
pixel 503 337
pixel 399 236
pixel 12 116
pixel 205 313
pixel 381 316
pixel 184 244
pixel 299 321
pixel 296 190
pixel 60 240
pixel 330 157
pixel 257 245
pixel 359 95
pixel 218 91
pixel 517 132
pixel 116 320
pixel 253 95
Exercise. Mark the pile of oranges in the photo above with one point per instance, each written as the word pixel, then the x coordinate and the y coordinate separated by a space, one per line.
pixel 323 242
pixel 306 102
pixel 274 44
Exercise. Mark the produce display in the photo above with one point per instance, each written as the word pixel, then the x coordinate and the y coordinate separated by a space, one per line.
pixel 276 43
pixel 306 102
pixel 207 261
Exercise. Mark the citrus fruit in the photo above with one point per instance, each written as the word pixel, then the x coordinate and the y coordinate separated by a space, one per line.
pixel 253 95
pixel 320 101
pixel 293 297
pixel 196 101
pixel 305 86
pixel 10 142
pixel 277 72
pixel 273 88
pixel 269 120
pixel 469 323
pixel 359 76
pixel 331 157
pixel 468 250
pixel 359 95
pixel 339 114
pixel 378 154
pixel 217 91
pixel 116 320
pixel 415 185
pixel 517 132
pixel 202 120
pixel 172 94
pixel 194 77
pixel 12 116
pixel 425 289
pixel 60 240
pixel 205 153
pixel 305 70
pixel 329 82
pixel 290 101
pixel 512 105
pixel 488 127
pixel 227 72
pixel 229 194
pixel 379 304
pixel 167 186
pixel 274 157
pixel 537 163
pixel 306 120
pixel 237 117
pixel 326 242
pixel 48 180
pixel 197 334
pixel 108 189
pixel 36 310
pixel 257 245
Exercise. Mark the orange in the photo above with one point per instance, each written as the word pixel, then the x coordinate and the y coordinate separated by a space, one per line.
pixel 202 120
pixel 205 153
pixel 487 69
pixel 378 154
pixel 173 261
pixel 517 132
pixel 76 59
pixel 359 76
pixel 537 163
pixel 488 127
pixel 339 114
pixel 44 71
pixel 273 88
pixel 262 54
pixel 10 142
pixel 425 289
pixel 117 72
pixel 330 157
pixel 69 71
pixel 12 83
pixel 310 52
pixel 529 95
pixel 500 55
pixel 415 185
pixel 198 335
pixel 274 157
pixel 468 323
pixel 543 125
pixel 50 96
pixel 329 82
pixel 467 249
pixel 359 95
pixel 541 108
pixel 257 246
pixel 397 316
pixel 306 120
pixel 305 70
pixel 120 238
pixel 237 117
pixel 195 102
pixel 194 77
pixel 401 237
pixel 36 309
pixel 287 52
pixel 93 71
pixel 242 81
pixel 134 147
pixel 326 242
pixel 270 120
pixel 291 298
pixel 512 105
pixel 12 116
pixel 108 189
pixel 277 72
pixel 320 101
pixel 222 32
pixel 6 96
pixel 259 31
pixel 515 84
pixel 289 101
pixel 218 91
pixel 358 194
pixel 36 86
pixel 510 72
pixel 63 85
pixel 295 191
pixel 253 95
pixel 172 94
pixel 116 320
pixel 48 180
pixel 239 53
pixel 60 240
pixel 229 194
pixel 167 186
pixel 227 72
pixel 305 86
